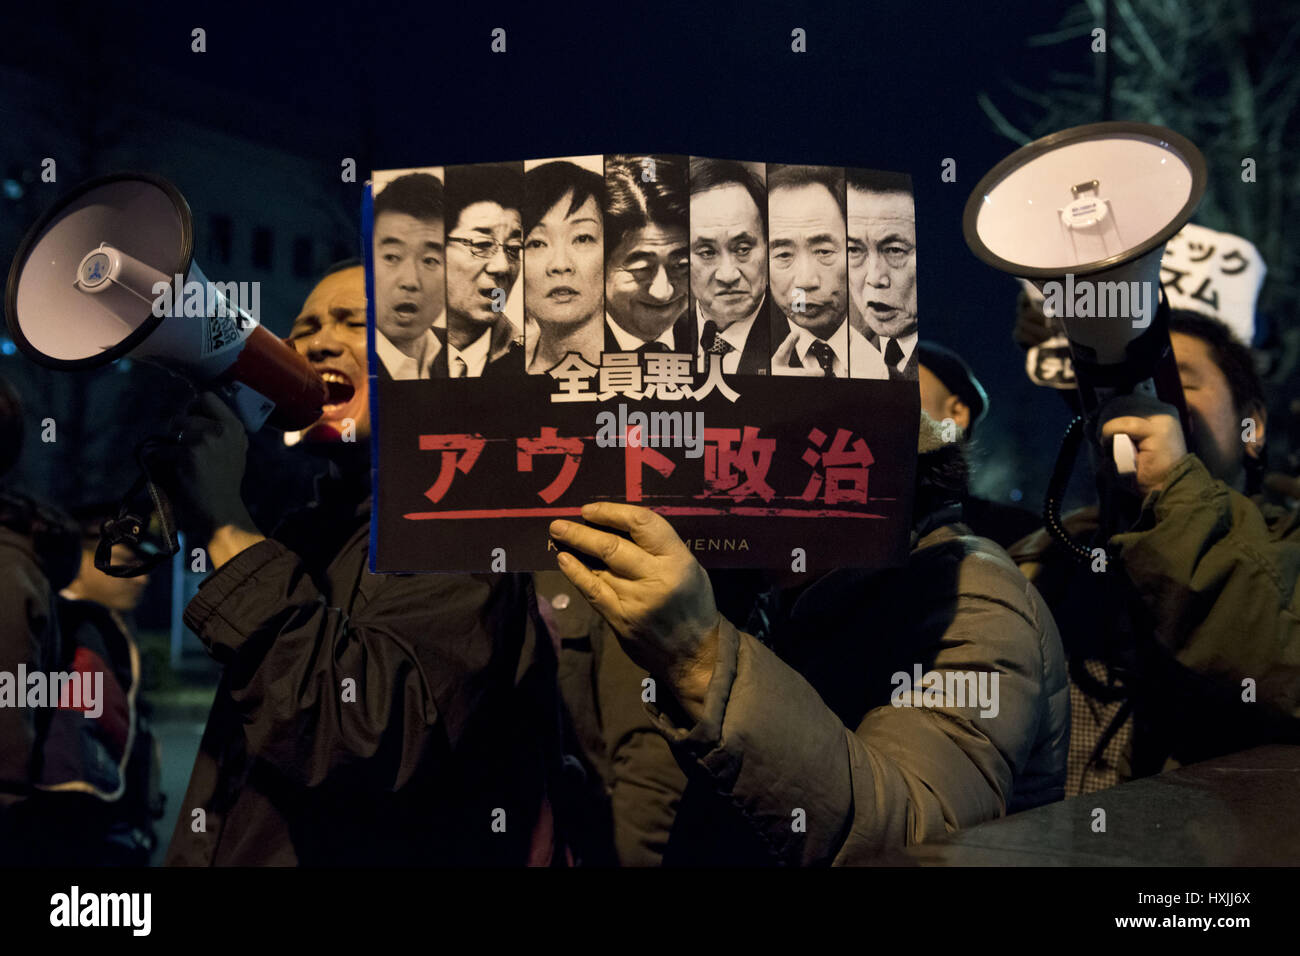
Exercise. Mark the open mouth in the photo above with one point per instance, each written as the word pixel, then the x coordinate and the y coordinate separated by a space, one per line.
pixel 881 308
pixel 407 308
pixel 562 294
pixel 339 388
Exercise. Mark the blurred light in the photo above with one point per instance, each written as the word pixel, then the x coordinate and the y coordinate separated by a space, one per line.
pixel 1016 494
pixel 124 365
pixel 7 346
pixel 13 189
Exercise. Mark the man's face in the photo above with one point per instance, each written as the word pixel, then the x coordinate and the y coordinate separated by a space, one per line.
pixel 882 260
pixel 472 282
pixel 92 584
pixel 409 278
pixel 563 283
pixel 1216 425
pixel 646 280
pixel 331 332
pixel 808 262
pixel 728 253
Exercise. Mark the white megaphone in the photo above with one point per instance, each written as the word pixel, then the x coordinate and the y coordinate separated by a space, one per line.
pixel 108 272
pixel 1084 214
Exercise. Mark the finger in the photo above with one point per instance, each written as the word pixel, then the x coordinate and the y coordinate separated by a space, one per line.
pixel 647 529
pixel 597 592
pixel 195 429
pixel 213 407
pixel 1136 405
pixel 620 555
pixel 1131 425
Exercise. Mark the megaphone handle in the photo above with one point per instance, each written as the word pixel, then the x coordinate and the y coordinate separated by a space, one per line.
pixel 127 527
pixel 1168 383
pixel 1125 454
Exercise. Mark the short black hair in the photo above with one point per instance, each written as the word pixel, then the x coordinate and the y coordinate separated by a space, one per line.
pixel 709 174
pixel 1232 357
pixel 415 194
pixel 878 181
pixel 501 183
pixel 340 266
pixel 632 201
pixel 792 177
pixel 547 184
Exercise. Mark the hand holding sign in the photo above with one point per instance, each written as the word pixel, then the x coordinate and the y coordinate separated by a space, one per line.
pixel 654 594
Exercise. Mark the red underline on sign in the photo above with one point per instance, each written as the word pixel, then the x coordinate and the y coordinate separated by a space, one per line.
pixel 679 511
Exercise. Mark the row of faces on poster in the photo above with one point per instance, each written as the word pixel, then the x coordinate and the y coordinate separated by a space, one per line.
pixel 506 268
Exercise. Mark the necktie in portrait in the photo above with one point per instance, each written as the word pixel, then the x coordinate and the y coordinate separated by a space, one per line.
pixel 713 343
pixel 825 356
pixel 893 356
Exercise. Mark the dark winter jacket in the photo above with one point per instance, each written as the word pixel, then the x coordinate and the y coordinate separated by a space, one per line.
pixel 368 719
pixel 29 635
pixel 802 756
pixel 1188 645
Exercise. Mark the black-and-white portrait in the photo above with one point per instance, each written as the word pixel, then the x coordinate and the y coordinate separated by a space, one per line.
pixel 882 270
pixel 564 260
pixel 409 268
pixel 647 254
pixel 484 258
pixel 808 261
pixel 729 264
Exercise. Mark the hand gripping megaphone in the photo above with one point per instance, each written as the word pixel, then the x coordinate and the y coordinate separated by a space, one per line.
pixel 1084 214
pixel 108 272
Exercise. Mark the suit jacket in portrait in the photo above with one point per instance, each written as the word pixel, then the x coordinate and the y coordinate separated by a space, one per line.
pixel 440 352
pixel 683 335
pixel 505 351
pixel 756 353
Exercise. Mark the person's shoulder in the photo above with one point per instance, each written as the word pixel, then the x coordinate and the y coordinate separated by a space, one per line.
pixel 954 541
pixel 15 547
pixel 955 558
pixel 511 361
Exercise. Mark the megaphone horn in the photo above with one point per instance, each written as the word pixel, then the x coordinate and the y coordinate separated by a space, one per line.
pixel 1084 214
pixel 109 272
